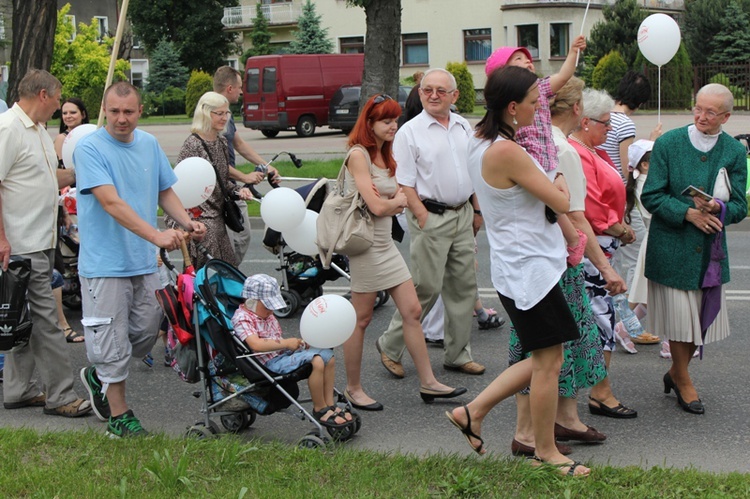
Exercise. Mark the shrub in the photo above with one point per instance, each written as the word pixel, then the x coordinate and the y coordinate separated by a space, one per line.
pixel 608 72
pixel 92 98
pixel 465 85
pixel 199 83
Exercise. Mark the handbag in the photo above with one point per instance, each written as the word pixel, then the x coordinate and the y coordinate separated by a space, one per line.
pixel 15 316
pixel 722 186
pixel 345 224
pixel 230 211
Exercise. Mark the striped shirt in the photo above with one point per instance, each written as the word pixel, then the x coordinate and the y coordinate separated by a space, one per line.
pixel 623 128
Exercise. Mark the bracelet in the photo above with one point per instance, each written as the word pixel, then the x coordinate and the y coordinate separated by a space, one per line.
pixel 478 212
pixel 559 174
pixel 624 232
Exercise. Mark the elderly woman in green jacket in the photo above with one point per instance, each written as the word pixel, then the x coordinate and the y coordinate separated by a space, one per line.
pixel 683 228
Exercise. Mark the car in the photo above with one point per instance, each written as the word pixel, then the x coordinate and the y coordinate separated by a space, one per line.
pixel 344 107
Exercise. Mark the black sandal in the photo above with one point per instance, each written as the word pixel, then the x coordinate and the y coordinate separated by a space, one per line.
pixel 467 430
pixel 329 423
pixel 72 337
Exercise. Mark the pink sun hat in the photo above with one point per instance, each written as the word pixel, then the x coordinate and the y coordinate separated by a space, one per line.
pixel 501 56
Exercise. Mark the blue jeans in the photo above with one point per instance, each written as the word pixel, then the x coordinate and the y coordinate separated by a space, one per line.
pixel 289 361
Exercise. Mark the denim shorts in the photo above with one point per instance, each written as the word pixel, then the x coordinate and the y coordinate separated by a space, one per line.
pixel 289 361
pixel 57 279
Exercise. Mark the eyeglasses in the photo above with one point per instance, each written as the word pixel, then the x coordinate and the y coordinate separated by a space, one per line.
pixel 697 111
pixel 441 92
pixel 381 98
pixel 222 114
pixel 605 123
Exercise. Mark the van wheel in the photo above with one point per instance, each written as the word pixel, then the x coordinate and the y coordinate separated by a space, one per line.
pixel 269 133
pixel 306 126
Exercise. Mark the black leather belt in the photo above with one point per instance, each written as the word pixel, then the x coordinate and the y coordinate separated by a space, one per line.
pixel 439 208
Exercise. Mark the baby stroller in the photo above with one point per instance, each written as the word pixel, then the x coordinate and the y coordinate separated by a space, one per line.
pixel 218 287
pixel 302 276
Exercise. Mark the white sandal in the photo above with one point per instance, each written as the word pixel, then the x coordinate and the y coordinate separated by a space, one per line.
pixel 624 339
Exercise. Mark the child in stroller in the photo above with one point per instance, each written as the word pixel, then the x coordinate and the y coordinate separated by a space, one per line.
pixel 236 385
pixel 255 324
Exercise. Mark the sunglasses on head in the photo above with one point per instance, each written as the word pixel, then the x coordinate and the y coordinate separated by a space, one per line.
pixel 381 98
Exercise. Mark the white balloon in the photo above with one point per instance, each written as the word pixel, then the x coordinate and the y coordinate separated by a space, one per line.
pixel 282 209
pixel 328 321
pixel 659 38
pixel 196 179
pixel 302 237
pixel 71 140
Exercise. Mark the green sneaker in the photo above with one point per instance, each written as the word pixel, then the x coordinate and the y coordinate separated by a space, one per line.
pixel 125 426
pixel 98 401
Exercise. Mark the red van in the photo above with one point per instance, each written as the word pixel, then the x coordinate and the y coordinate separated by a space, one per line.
pixel 292 92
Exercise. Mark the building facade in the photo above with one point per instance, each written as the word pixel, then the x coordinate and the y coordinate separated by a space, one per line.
pixel 436 32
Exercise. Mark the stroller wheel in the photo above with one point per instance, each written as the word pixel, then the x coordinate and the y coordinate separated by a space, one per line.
pixel 200 432
pixel 237 422
pixel 72 301
pixel 381 298
pixel 292 300
pixel 344 433
pixel 312 441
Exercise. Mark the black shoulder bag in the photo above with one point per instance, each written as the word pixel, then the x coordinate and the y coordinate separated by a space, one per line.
pixel 231 212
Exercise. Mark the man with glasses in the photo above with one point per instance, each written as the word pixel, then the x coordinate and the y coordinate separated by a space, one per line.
pixel 228 82
pixel 28 228
pixel 443 216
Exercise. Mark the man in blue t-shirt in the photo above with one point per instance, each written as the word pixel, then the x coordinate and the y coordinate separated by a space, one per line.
pixel 228 82
pixel 123 176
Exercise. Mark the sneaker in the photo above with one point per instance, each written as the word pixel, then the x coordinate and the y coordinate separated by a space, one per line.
pixel 98 401
pixel 125 426
pixel 148 359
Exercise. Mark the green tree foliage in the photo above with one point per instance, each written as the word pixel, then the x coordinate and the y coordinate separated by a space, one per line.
pixel 618 31
pixel 311 37
pixel 260 36
pixel 465 85
pixel 193 25
pixel 676 80
pixel 165 68
pixel 701 22
pixel 82 65
pixel 198 84
pixel 608 72
pixel 731 44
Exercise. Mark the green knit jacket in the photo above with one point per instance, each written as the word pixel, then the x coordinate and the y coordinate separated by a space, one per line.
pixel 678 253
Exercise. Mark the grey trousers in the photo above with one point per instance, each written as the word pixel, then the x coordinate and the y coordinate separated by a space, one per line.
pixel 47 351
pixel 442 263
pixel 241 240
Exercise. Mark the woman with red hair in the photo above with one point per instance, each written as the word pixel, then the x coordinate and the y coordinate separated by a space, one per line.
pixel 371 170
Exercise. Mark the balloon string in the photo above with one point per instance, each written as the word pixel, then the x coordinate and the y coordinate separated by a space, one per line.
pixel 658 112
pixel 583 23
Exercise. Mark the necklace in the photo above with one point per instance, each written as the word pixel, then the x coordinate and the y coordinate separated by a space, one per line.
pixel 579 141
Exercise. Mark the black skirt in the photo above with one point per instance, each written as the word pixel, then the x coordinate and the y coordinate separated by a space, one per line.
pixel 546 324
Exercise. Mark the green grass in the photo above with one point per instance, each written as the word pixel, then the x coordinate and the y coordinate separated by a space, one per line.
pixel 87 464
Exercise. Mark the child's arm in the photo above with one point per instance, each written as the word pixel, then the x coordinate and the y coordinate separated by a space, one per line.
pixel 569 232
pixel 568 69
pixel 259 345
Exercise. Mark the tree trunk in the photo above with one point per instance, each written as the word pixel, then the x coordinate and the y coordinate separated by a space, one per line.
pixel 382 49
pixel 34 24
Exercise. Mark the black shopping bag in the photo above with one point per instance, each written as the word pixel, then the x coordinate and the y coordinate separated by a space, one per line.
pixel 15 317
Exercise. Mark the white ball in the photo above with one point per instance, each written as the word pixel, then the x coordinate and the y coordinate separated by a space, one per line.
pixel 328 321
